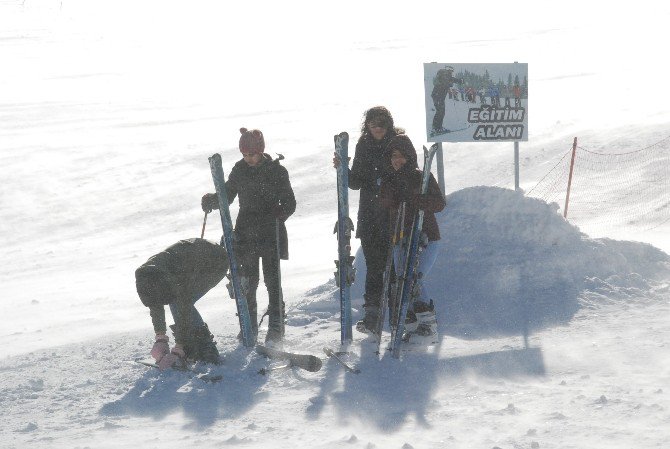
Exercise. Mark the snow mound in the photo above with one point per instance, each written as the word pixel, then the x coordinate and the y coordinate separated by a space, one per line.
pixel 508 263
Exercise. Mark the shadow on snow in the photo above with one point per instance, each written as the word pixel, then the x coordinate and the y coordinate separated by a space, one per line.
pixel 158 394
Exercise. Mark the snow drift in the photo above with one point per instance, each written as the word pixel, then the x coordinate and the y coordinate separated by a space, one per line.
pixel 509 263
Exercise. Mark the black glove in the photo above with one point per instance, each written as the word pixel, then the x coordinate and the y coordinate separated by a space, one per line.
pixel 209 202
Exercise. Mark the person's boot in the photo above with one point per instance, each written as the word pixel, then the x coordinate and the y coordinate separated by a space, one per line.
pixel 204 346
pixel 425 331
pixel 276 326
pixel 411 321
pixel 187 340
pixel 369 322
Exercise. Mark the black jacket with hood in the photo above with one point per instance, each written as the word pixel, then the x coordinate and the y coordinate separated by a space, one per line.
pixel 369 167
pixel 265 194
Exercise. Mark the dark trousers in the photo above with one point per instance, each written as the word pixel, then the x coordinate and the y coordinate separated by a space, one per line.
pixel 438 101
pixel 375 249
pixel 249 267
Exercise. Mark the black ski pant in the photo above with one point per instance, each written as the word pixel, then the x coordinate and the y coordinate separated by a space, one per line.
pixel 249 267
pixel 438 101
pixel 375 248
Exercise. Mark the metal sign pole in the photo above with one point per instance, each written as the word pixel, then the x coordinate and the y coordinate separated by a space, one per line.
pixel 440 168
pixel 516 166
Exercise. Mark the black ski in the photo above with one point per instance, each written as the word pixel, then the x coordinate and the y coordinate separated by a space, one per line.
pixel 305 361
pixel 333 355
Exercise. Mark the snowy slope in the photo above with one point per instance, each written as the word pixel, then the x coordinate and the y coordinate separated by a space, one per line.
pixel 108 114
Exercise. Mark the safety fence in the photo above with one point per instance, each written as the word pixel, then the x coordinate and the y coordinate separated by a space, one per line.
pixel 607 189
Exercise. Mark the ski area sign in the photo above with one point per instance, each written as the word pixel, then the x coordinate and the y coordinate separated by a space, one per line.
pixel 476 102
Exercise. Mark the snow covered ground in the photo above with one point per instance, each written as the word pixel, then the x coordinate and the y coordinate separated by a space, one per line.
pixel 109 111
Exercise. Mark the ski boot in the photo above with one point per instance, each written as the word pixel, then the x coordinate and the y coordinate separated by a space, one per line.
pixel 275 334
pixel 204 347
pixel 369 322
pixel 423 326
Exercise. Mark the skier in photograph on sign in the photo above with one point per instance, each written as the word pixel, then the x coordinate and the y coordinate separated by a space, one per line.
pixel 266 201
pixel 404 185
pixel 442 83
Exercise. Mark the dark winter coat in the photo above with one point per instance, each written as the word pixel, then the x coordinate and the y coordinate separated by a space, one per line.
pixel 405 185
pixel 442 82
pixel 265 194
pixel 180 274
pixel 368 169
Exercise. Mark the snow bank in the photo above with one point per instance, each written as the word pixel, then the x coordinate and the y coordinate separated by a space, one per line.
pixel 508 261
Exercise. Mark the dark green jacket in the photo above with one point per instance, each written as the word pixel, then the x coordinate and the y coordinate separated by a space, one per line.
pixel 180 274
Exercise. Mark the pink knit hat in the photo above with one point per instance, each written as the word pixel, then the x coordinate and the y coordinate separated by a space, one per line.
pixel 251 141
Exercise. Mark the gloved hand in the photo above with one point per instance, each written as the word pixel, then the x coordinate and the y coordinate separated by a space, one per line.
pixel 336 160
pixel 161 347
pixel 209 202
pixel 175 359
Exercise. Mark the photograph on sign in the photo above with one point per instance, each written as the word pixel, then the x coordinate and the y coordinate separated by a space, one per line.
pixel 476 102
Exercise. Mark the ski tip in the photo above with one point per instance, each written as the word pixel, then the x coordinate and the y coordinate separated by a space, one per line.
pixel 343 136
pixel 149 363
pixel 315 365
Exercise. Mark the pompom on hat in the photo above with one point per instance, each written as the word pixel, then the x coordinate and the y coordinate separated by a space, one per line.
pixel 251 141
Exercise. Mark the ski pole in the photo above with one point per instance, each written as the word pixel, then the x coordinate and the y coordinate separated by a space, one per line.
pixel 281 293
pixel 204 223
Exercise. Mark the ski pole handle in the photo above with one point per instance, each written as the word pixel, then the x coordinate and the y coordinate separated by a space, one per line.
pixel 204 223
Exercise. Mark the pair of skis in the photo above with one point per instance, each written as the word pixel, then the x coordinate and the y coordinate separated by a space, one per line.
pixel 248 335
pixel 344 276
pixel 406 282
pixel 396 238
pixel 345 271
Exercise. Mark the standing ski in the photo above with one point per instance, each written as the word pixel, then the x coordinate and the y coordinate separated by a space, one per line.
pixel 386 282
pixel 248 336
pixel 344 275
pixel 409 275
